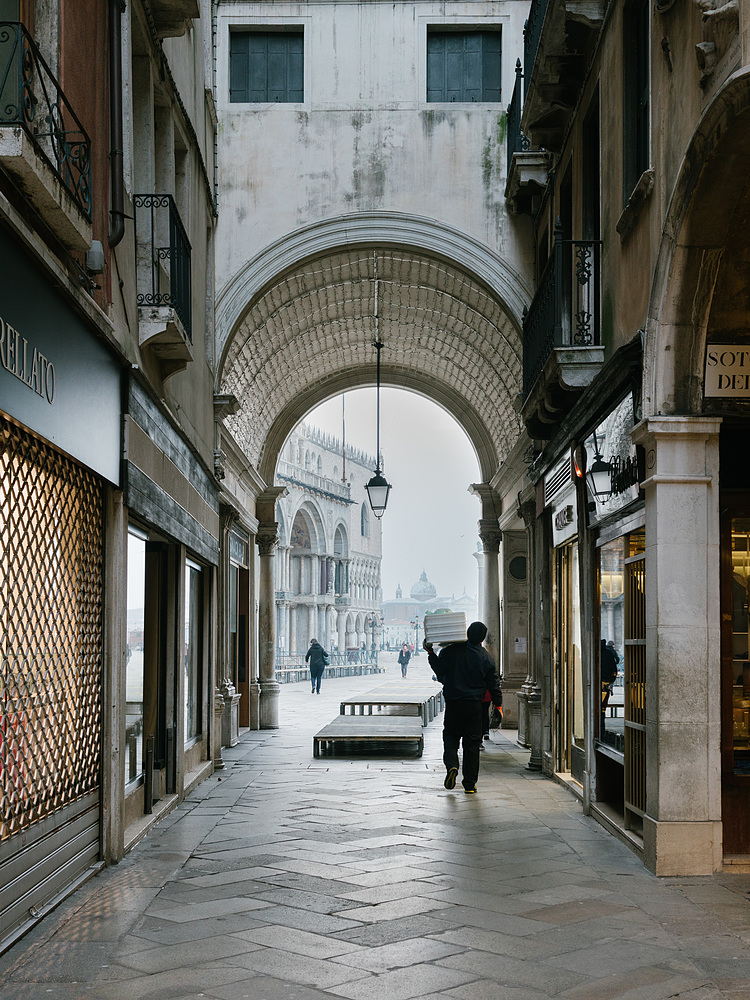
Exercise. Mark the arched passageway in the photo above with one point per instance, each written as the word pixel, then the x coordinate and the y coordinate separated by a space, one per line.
pixel 308 335
pixel 698 495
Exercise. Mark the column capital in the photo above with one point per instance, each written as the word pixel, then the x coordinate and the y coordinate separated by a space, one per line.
pixel 490 535
pixel 267 537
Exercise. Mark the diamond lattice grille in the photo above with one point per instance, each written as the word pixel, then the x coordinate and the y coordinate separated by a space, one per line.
pixel 51 616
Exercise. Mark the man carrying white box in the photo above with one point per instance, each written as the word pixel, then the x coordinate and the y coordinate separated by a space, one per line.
pixel 466 670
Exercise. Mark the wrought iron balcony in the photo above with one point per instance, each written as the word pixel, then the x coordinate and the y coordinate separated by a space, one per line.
pixel 559 39
pixel 527 168
pixel 163 256
pixel 532 32
pixel 561 333
pixel 517 141
pixel 31 99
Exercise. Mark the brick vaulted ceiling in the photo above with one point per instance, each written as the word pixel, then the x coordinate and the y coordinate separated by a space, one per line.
pixel 310 334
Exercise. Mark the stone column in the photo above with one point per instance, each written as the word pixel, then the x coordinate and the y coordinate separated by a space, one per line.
pixel 479 556
pixel 528 695
pixel 230 720
pixel 491 537
pixel 682 833
pixel 292 628
pixel 341 629
pixel 514 608
pixel 266 539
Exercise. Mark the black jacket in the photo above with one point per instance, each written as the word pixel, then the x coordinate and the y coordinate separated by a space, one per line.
pixel 466 671
pixel 317 657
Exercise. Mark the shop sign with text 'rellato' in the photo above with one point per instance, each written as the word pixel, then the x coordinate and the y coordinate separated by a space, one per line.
pixel 56 377
pixel 727 372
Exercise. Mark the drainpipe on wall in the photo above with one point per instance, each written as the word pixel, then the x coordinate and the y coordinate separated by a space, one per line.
pixel 116 211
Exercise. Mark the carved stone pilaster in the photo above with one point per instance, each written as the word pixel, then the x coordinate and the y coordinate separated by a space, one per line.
pixel 267 538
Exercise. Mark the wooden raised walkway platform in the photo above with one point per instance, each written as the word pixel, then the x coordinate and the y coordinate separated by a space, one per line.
pixel 389 715
pixel 348 732
pixel 416 698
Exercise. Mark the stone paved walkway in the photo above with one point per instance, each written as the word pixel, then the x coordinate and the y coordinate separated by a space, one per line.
pixel 309 879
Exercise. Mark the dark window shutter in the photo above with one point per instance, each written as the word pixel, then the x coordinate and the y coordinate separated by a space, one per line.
pixel 276 67
pixel 257 73
pixel 463 66
pixel 238 66
pixel 266 66
pixel 491 65
pixel 472 75
pixel 455 67
pixel 436 67
pixel 295 69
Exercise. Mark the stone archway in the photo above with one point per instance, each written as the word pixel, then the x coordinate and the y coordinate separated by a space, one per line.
pixel 708 212
pixel 700 293
pixel 309 335
pixel 451 332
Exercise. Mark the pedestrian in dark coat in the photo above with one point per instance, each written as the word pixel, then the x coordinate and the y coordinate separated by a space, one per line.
pixel 403 658
pixel 466 670
pixel 318 660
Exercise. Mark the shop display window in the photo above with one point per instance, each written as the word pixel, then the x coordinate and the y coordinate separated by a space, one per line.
pixel 134 657
pixel 620 627
pixel 193 652
pixel 739 664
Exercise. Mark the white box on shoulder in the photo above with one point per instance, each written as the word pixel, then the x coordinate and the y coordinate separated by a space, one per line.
pixel 442 629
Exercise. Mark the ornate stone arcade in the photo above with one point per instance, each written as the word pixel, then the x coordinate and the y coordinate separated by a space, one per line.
pixel 308 335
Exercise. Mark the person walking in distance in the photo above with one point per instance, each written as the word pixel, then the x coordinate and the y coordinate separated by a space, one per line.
pixel 318 660
pixel 403 658
pixel 466 670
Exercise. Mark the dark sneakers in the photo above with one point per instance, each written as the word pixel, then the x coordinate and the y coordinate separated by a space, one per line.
pixel 470 791
pixel 450 778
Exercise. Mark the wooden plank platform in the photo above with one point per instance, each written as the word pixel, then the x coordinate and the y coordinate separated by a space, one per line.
pixel 362 730
pixel 425 700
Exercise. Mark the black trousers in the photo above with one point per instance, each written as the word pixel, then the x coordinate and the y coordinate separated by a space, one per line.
pixel 463 722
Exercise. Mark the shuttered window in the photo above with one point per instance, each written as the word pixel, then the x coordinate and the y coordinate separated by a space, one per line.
pixel 636 98
pixel 266 67
pixel 463 66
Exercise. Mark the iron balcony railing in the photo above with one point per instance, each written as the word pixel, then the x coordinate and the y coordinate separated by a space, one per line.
pixel 517 141
pixel 32 99
pixel 532 32
pixel 565 312
pixel 162 256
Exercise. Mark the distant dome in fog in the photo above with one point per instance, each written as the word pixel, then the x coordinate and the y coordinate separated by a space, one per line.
pixel 423 590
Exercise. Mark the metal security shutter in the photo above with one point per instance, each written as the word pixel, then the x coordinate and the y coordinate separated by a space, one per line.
pixel 463 66
pixel 51 660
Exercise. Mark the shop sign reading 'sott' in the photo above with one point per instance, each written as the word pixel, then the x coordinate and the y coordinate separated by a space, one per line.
pixel 727 371
pixel 29 366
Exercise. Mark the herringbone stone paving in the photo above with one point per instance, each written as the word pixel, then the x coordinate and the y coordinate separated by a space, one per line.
pixel 292 878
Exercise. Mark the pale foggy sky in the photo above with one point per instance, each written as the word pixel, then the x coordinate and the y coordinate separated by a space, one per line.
pixel 431 519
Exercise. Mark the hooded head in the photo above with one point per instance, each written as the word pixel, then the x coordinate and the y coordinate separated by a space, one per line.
pixel 476 633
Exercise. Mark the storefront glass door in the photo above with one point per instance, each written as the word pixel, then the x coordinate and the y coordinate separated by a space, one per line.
pixel 570 701
pixel 735 739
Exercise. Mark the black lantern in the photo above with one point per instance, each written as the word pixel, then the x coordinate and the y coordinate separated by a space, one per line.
pixel 599 475
pixel 378 487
